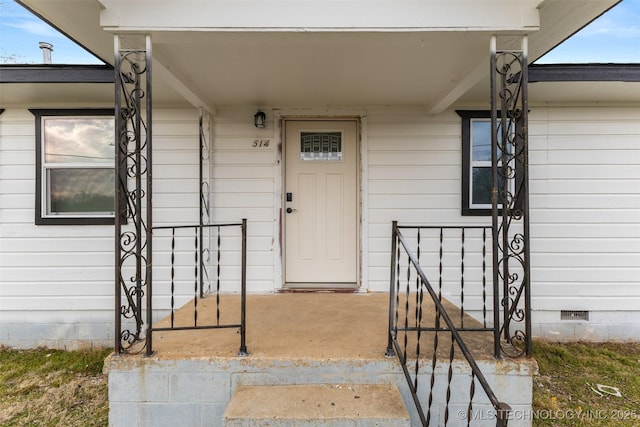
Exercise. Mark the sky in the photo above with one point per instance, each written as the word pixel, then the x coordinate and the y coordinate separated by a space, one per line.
pixel 20 33
pixel 614 37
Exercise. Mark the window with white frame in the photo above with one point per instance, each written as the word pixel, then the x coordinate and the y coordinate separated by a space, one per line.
pixel 75 166
pixel 476 162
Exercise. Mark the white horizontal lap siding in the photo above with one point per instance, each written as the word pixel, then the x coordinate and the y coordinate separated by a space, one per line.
pixel 176 202
pixel 175 167
pixel 414 176
pixel 56 282
pixel 585 208
pixel 243 185
pixel 34 260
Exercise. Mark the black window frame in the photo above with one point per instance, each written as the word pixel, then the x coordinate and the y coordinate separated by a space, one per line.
pixel 62 112
pixel 466 209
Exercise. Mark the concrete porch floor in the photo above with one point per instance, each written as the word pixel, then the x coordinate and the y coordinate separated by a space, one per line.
pixel 296 339
pixel 302 326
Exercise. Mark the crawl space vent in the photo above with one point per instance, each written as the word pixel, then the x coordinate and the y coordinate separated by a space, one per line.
pixel 574 315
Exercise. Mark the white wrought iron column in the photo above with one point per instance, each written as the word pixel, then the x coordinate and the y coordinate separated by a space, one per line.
pixel 205 202
pixel 133 219
pixel 510 200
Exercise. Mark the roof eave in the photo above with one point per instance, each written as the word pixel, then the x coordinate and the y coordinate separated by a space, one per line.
pixel 50 73
pixel 584 73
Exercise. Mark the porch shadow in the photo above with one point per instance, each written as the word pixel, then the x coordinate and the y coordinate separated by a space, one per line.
pixel 302 326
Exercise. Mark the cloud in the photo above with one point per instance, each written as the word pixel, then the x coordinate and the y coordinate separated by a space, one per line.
pixel 79 139
pixel 620 22
pixel 10 9
pixel 17 17
pixel 37 28
pixel 611 28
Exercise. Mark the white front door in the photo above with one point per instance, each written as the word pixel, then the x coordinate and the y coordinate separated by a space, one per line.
pixel 321 204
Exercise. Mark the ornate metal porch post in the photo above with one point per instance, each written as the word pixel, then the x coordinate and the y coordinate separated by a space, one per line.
pixel 510 199
pixel 133 220
pixel 205 200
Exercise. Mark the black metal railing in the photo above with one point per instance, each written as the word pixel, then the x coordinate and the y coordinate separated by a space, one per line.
pixel 510 195
pixel 133 171
pixel 194 271
pixel 426 338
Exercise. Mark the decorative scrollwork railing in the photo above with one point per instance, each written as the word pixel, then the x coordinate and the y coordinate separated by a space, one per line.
pixel 204 125
pixel 510 197
pixel 133 193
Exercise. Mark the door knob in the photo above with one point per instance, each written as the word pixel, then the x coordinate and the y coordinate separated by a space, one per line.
pixel 289 210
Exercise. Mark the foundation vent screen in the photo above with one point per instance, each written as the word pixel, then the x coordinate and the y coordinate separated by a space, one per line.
pixel 574 315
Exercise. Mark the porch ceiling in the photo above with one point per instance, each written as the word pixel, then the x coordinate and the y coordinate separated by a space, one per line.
pixel 293 69
pixel 426 65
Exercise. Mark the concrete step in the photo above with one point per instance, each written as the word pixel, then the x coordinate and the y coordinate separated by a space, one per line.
pixel 310 405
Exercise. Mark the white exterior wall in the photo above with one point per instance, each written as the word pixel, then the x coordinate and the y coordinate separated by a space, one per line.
pixel 57 281
pixel 245 185
pixel 585 197
pixel 415 177
pixel 585 213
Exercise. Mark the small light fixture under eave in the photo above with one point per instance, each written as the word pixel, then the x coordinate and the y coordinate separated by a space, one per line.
pixel 259 119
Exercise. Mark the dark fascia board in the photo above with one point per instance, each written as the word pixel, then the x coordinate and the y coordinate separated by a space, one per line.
pixel 584 73
pixel 48 73
pixel 54 73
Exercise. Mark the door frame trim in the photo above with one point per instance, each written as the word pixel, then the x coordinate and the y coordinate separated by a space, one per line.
pixel 281 119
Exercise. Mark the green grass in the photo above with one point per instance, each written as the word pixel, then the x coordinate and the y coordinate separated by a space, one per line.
pixel 563 392
pixel 52 388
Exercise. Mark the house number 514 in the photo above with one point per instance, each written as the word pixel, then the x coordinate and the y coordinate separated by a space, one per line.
pixel 260 143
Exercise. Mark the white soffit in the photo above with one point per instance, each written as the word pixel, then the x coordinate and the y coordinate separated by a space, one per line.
pixel 321 68
pixel 317 53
